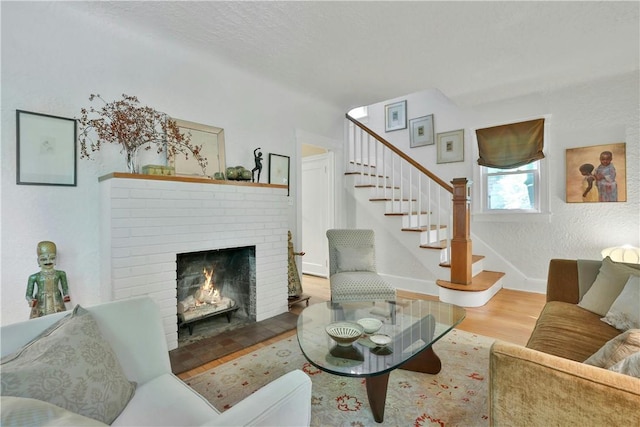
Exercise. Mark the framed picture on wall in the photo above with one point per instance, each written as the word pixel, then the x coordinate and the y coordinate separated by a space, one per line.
pixel 422 131
pixel 597 173
pixel 395 116
pixel 46 149
pixel 279 170
pixel 451 146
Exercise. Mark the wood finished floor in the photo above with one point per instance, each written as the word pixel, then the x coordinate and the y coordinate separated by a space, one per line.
pixel 509 316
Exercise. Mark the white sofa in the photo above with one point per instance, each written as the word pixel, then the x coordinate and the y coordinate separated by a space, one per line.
pixel 133 327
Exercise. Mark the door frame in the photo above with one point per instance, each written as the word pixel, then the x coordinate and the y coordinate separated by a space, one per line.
pixel 334 149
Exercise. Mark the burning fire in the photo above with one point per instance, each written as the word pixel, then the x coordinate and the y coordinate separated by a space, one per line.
pixel 205 301
pixel 207 294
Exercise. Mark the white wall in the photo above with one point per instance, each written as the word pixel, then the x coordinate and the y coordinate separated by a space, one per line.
pixel 53 57
pixel 600 112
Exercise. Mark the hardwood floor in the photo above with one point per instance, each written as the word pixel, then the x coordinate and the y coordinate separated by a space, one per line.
pixel 508 316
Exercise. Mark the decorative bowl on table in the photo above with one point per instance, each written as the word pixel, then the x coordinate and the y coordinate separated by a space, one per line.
pixel 344 333
pixel 380 339
pixel 370 325
pixel 382 342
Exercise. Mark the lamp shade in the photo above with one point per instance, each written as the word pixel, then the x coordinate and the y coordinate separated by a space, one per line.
pixel 627 254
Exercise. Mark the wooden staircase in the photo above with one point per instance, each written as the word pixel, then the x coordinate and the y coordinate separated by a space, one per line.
pixel 435 212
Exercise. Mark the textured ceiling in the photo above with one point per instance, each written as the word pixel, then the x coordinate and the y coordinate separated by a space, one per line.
pixel 358 53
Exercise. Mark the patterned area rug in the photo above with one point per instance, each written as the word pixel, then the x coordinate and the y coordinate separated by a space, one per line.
pixel 457 396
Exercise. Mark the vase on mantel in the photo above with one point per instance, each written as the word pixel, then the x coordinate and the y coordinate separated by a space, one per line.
pixel 132 161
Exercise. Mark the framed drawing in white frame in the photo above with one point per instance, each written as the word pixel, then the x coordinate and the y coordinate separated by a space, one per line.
pixel 451 146
pixel 279 170
pixel 395 116
pixel 211 139
pixel 45 149
pixel 422 131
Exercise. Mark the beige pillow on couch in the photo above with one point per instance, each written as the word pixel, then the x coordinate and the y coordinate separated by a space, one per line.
pixel 630 365
pixel 624 314
pixel 70 365
pixel 609 283
pixel 616 349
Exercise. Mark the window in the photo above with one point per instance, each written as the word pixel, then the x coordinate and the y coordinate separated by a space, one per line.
pixel 512 189
pixel 512 194
pixel 359 113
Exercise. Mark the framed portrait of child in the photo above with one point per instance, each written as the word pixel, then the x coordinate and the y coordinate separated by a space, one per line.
pixel 597 174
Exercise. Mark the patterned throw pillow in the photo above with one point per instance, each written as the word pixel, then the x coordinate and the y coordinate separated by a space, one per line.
pixel 70 365
pixel 616 349
pixel 630 365
pixel 624 314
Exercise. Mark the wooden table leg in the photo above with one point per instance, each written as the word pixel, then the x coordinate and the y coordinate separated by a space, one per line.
pixel 427 361
pixel 377 393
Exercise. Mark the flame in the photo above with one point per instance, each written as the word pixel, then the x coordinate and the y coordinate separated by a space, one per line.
pixel 207 294
pixel 208 284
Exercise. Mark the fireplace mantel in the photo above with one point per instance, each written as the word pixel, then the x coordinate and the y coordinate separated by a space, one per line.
pixel 146 220
pixel 182 178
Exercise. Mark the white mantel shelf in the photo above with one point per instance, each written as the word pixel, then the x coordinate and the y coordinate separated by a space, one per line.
pixel 183 178
pixel 146 220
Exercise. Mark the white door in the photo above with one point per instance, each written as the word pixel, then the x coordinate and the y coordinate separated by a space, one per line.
pixel 317 213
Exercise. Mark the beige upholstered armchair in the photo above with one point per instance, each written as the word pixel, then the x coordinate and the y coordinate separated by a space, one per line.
pixel 352 267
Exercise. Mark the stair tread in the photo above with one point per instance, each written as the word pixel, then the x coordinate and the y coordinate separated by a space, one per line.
pixel 374 186
pixel 405 213
pixel 474 259
pixel 386 199
pixel 364 173
pixel 480 282
pixel 423 228
pixel 442 244
pixel 362 164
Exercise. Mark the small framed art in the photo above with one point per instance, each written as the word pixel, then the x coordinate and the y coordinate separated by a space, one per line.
pixel 422 131
pixel 451 146
pixel 46 149
pixel 279 170
pixel 395 116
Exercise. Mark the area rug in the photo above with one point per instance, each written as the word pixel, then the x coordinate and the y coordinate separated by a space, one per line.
pixel 457 396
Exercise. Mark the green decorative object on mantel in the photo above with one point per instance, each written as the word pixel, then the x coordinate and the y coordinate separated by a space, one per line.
pixel 132 126
pixel 238 173
pixel 232 173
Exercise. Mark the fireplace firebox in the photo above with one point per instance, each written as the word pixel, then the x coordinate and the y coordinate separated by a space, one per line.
pixel 216 282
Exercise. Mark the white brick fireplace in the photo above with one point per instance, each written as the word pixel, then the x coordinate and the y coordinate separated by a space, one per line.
pixel 147 220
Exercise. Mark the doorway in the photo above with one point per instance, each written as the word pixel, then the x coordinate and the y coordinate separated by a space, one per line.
pixel 317 208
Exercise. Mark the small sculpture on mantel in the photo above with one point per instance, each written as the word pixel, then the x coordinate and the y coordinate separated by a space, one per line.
pixel 47 290
pixel 258 158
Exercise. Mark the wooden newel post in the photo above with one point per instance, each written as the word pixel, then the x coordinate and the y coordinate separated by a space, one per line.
pixel 461 240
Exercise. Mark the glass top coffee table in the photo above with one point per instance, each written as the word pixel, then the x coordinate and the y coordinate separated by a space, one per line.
pixel 411 327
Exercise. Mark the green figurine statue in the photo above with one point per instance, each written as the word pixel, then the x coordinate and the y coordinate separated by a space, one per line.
pixel 47 290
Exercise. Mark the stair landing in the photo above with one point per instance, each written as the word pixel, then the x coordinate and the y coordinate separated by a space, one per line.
pixel 483 287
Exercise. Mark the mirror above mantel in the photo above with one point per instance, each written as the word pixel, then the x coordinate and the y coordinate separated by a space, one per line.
pixel 211 139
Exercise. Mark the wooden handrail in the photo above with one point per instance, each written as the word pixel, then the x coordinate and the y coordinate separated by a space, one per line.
pixel 408 159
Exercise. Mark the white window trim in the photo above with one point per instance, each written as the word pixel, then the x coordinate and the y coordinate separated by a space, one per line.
pixel 543 193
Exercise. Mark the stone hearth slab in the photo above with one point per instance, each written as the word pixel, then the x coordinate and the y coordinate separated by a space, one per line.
pixel 207 349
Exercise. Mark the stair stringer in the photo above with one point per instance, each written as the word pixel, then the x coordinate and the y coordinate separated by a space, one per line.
pixel 413 268
pixel 373 216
